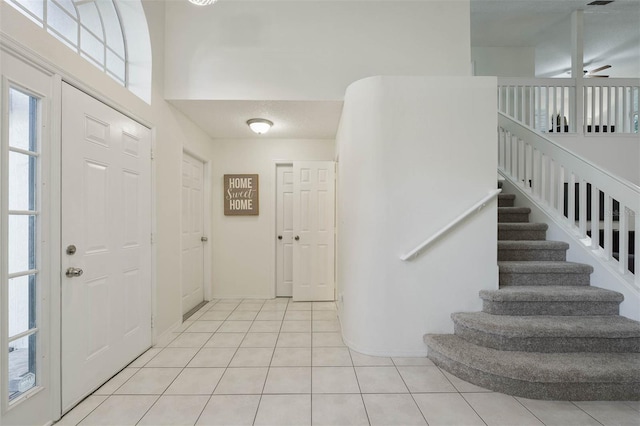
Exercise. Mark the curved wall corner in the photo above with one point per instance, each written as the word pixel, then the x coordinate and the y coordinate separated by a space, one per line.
pixel 415 152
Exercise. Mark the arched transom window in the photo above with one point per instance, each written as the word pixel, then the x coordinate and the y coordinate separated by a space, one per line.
pixel 93 28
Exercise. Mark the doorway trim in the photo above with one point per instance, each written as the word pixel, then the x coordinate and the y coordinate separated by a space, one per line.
pixel 206 217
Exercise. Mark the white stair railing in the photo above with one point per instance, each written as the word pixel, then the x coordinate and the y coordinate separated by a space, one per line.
pixel 473 209
pixel 611 106
pixel 586 199
pixel 562 105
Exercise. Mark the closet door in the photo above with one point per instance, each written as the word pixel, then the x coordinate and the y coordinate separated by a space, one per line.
pixel 284 230
pixel 313 230
pixel 193 238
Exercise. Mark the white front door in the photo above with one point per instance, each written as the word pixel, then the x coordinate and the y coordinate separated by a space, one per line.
pixel 284 230
pixel 106 235
pixel 313 226
pixel 192 232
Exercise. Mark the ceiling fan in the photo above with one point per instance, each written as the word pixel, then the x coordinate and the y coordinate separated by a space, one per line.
pixel 592 73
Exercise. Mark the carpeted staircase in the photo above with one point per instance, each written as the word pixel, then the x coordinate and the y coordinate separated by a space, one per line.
pixel 546 333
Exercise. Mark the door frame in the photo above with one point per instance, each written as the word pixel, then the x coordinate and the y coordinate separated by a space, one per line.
pixel 48 252
pixel 58 76
pixel 206 217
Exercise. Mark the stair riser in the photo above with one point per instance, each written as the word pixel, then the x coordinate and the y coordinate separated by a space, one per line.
pixel 547 344
pixel 508 279
pixel 505 202
pixel 513 217
pixel 561 391
pixel 550 308
pixel 513 235
pixel 532 255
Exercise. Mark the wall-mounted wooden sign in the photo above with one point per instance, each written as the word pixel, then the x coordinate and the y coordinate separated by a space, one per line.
pixel 241 195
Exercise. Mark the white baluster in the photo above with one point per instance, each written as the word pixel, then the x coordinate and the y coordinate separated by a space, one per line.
pixel 595 217
pixel 636 245
pixel 571 202
pixel 608 226
pixel 582 213
pixel 623 241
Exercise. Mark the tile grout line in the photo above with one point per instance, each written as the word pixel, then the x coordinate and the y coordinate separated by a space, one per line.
pixel 255 416
pixel 580 408
pixel 366 411
pixel 461 395
pixel 409 390
pixel 527 408
pixel 182 370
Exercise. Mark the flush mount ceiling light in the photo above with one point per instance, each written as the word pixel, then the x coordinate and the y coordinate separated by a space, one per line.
pixel 259 125
pixel 202 2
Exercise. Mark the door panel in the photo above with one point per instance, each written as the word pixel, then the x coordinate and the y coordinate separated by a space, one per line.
pixel 313 223
pixel 284 228
pixel 192 232
pixel 106 215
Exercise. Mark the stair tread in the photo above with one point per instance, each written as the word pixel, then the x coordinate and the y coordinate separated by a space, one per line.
pixel 608 326
pixel 544 267
pixel 522 226
pixel 532 245
pixel 552 294
pixel 514 210
pixel 573 367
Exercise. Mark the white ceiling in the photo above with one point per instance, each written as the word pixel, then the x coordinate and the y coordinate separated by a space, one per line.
pixel 612 36
pixel 292 119
pixel 611 32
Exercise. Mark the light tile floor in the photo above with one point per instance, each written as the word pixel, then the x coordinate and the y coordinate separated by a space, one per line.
pixel 276 362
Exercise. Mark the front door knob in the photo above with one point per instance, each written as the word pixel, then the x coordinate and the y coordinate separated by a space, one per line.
pixel 74 272
pixel 297 238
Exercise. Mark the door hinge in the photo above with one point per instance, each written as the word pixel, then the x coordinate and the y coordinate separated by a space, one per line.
pixel 153 322
pixel 152 239
pixel 152 154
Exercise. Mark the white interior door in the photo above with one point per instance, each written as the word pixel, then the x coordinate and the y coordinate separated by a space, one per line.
pixel 313 225
pixel 192 232
pixel 106 216
pixel 284 230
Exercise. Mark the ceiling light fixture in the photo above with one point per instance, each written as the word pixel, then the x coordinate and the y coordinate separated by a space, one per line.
pixel 259 125
pixel 202 2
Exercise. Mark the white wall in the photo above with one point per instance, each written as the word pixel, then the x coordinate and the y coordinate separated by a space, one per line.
pixel 414 153
pixel 244 246
pixel 171 129
pixel 618 154
pixel 297 50
pixel 173 133
pixel 503 61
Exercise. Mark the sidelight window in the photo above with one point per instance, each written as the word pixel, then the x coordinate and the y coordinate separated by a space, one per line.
pixel 22 224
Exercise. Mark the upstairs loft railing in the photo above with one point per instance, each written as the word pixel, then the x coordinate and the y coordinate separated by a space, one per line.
pixel 589 106
pixel 601 210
